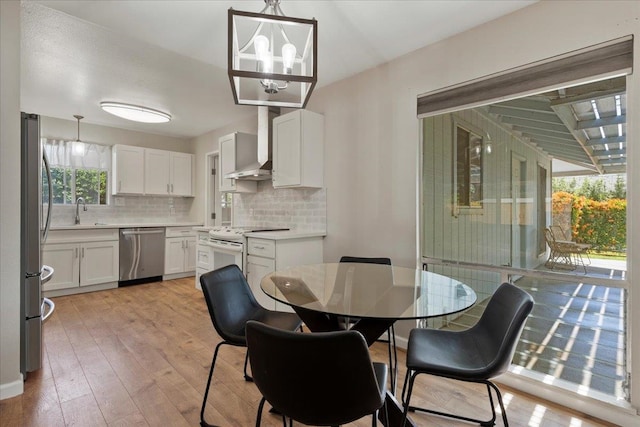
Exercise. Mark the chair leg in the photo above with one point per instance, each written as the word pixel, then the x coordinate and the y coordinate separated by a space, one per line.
pixel 247 377
pixel 203 423
pixel 490 422
pixel 410 378
pixel 259 414
pixel 500 402
pixel 393 358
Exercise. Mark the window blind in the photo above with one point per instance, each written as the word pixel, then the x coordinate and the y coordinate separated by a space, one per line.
pixel 604 59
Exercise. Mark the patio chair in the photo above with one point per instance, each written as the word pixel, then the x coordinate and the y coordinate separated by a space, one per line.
pixel 565 253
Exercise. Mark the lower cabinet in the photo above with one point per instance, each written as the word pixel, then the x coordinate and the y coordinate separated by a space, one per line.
pixel 79 261
pixel 180 251
pixel 265 256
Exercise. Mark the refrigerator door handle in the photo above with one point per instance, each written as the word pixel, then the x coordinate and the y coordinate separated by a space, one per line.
pixel 46 274
pixel 47 225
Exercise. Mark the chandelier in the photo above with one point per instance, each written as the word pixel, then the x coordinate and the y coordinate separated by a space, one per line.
pixel 272 57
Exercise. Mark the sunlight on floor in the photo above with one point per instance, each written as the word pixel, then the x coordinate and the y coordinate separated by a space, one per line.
pixel 537 416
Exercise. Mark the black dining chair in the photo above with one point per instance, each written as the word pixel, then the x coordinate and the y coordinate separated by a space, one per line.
pixel 391 333
pixel 477 354
pixel 231 304
pixel 320 378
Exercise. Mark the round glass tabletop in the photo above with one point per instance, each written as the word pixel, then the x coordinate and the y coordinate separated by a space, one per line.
pixel 368 291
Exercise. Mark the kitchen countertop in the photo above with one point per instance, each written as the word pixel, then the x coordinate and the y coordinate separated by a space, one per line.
pixel 276 235
pixel 124 225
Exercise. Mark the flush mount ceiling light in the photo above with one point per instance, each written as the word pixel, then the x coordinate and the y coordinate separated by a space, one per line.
pixel 77 147
pixel 272 57
pixel 135 112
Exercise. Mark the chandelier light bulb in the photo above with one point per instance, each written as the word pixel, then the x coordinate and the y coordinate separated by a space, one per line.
pixel 288 57
pixel 261 45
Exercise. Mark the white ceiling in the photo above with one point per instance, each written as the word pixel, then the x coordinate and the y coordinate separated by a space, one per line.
pixel 171 55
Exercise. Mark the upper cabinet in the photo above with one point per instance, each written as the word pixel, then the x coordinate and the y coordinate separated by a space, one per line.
pixel 127 170
pixel 298 150
pixel 237 150
pixel 152 172
pixel 167 173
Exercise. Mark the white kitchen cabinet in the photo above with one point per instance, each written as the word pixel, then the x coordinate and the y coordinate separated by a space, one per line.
pixel 204 257
pixel 298 150
pixel 179 252
pixel 167 173
pixel 64 258
pixel 127 170
pixel 237 150
pixel 265 256
pixel 181 174
pixel 83 258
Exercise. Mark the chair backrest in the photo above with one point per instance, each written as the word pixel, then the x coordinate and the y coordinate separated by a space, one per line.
pixel 378 281
pixel 230 302
pixel 500 326
pixel 322 378
pixel 385 261
pixel 558 233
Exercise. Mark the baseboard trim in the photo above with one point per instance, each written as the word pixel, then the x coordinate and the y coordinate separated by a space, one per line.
pixel 12 389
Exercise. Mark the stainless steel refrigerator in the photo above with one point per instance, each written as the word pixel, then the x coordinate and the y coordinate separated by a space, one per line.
pixel 33 232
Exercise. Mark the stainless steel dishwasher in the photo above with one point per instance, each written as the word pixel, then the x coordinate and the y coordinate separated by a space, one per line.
pixel 141 255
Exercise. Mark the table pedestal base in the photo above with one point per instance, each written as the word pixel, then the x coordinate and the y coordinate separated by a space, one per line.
pixel 395 413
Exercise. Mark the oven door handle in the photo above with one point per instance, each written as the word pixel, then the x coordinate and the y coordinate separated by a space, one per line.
pixel 226 247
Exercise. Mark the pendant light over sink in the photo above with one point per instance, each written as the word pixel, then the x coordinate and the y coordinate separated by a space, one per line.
pixel 272 58
pixel 135 113
pixel 77 147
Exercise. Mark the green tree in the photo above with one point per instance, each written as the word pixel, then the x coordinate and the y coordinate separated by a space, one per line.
pixel 619 189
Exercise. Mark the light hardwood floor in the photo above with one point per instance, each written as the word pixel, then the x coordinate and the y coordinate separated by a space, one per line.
pixel 140 355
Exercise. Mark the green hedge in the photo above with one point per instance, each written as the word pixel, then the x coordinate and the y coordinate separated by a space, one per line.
pixel 603 224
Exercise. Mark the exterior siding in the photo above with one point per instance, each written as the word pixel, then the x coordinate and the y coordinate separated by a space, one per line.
pixel 486 237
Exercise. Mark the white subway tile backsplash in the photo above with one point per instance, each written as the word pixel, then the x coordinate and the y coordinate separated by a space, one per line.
pixel 126 210
pixel 297 209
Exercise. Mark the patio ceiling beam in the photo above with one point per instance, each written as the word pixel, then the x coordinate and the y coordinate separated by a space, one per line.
pixel 540 116
pixel 526 104
pixel 563 156
pixel 562 150
pixel 597 90
pixel 618 161
pixel 604 121
pixel 604 153
pixel 534 124
pixel 557 135
pixel 565 113
pixel 610 140
pixel 554 142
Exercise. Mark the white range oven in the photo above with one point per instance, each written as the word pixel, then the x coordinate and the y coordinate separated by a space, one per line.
pixel 218 247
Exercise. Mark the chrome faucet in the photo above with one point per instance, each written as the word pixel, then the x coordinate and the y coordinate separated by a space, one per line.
pixel 84 208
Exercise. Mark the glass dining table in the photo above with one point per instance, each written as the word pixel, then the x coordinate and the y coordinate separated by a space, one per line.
pixel 370 297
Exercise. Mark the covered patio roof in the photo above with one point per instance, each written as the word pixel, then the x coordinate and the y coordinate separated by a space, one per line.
pixel 584 125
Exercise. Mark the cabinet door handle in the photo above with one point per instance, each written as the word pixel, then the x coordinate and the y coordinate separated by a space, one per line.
pixel 172 188
pixel 82 252
pixel 186 244
pixel 76 251
pixel 259 247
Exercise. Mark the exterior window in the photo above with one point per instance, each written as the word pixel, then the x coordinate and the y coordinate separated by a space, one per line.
pixel 226 202
pixel 74 174
pixel 468 167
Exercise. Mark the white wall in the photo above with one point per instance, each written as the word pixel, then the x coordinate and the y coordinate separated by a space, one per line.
pixel 10 377
pixel 51 127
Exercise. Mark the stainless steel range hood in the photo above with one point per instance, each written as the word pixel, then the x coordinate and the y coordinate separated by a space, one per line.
pixel 261 169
